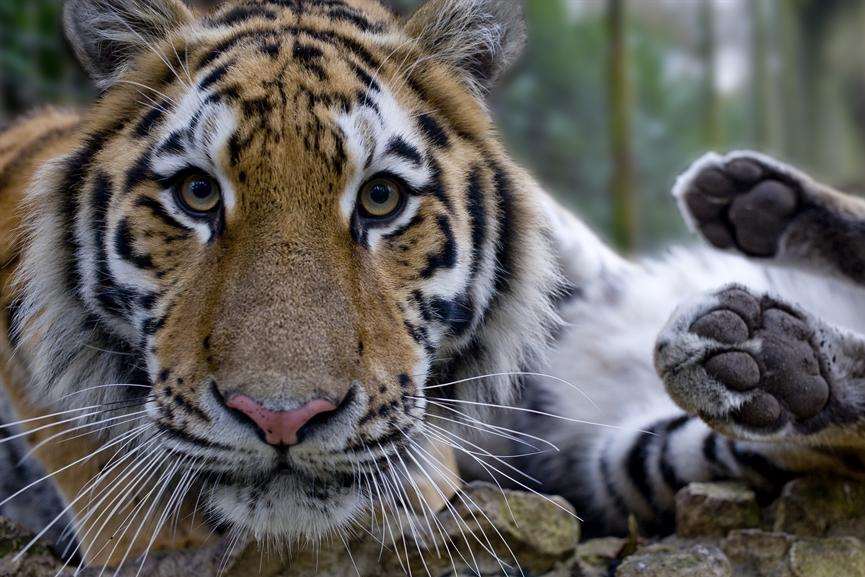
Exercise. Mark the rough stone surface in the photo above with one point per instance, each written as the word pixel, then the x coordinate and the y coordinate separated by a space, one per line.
pixel 831 557
pixel 713 510
pixel 756 553
pixel 816 528
pixel 669 561
pixel 816 507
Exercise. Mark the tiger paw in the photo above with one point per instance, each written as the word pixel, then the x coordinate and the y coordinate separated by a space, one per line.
pixel 743 201
pixel 747 364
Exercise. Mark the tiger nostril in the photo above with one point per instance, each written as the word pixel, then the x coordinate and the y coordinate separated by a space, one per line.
pixel 282 428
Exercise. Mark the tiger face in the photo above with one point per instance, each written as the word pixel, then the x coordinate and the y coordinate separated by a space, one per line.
pixel 292 218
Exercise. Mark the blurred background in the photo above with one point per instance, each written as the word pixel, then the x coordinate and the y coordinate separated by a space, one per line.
pixel 613 97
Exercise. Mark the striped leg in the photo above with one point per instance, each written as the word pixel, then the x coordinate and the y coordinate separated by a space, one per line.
pixel 640 473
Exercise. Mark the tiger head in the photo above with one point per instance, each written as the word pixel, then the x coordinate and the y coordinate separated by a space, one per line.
pixel 288 225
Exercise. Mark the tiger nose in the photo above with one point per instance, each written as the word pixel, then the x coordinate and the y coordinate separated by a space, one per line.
pixel 280 427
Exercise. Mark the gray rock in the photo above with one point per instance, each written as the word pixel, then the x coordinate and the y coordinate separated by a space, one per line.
pixel 756 553
pixel 670 560
pixel 714 509
pixel 833 557
pixel 817 507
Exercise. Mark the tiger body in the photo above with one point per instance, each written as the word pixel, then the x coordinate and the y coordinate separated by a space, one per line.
pixel 192 328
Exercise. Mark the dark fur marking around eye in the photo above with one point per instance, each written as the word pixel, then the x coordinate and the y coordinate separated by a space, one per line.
pixel 433 131
pixel 159 212
pixel 397 146
pixel 446 257
pixel 124 242
pixel 416 220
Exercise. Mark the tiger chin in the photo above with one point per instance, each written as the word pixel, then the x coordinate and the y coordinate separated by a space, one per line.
pixel 234 277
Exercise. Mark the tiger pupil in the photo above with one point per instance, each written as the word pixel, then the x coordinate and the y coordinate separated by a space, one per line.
pixel 380 194
pixel 201 189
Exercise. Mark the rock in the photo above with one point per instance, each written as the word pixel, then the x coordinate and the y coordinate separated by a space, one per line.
pixel 834 557
pixel 595 557
pixel 756 553
pixel 714 509
pixel 540 532
pixel 669 560
pixel 39 561
pixel 816 507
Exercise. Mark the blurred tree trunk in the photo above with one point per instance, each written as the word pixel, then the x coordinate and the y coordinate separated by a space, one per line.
pixel 760 81
pixel 711 109
pixel 624 223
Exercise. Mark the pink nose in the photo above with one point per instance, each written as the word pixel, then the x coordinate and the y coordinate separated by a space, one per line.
pixel 280 427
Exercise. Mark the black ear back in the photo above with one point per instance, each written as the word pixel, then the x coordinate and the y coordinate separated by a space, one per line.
pixel 107 34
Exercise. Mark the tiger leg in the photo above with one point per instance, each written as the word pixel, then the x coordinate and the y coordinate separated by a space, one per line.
pixel 765 209
pixel 637 470
pixel 754 367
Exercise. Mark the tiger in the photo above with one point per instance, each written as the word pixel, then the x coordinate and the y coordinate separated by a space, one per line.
pixel 283 271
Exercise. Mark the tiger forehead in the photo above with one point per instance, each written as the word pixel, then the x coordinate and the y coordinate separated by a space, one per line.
pixel 288 69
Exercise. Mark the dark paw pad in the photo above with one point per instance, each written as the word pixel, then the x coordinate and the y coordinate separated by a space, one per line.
pixel 743 205
pixel 783 376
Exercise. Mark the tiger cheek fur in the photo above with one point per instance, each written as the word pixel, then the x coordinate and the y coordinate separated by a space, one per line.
pixel 288 232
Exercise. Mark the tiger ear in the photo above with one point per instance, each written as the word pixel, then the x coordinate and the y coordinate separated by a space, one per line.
pixel 107 34
pixel 480 39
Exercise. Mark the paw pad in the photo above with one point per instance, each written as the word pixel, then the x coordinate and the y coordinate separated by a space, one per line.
pixel 742 204
pixel 782 373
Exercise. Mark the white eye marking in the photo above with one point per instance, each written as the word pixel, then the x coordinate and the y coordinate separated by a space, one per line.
pixel 202 150
pixel 367 136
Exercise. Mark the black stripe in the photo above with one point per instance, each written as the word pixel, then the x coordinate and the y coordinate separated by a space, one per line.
pixel 507 233
pixel 397 146
pixel 434 131
pixel 477 218
pixel 241 14
pixel 215 76
pixel 159 212
pixel 77 168
pixel 351 16
pixel 759 464
pixel 618 502
pixel 153 117
pixel 124 245
pixel 446 257
pixel 637 464
pixel 668 472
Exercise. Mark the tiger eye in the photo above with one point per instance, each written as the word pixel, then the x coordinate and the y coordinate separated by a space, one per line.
pixel 381 198
pixel 200 193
